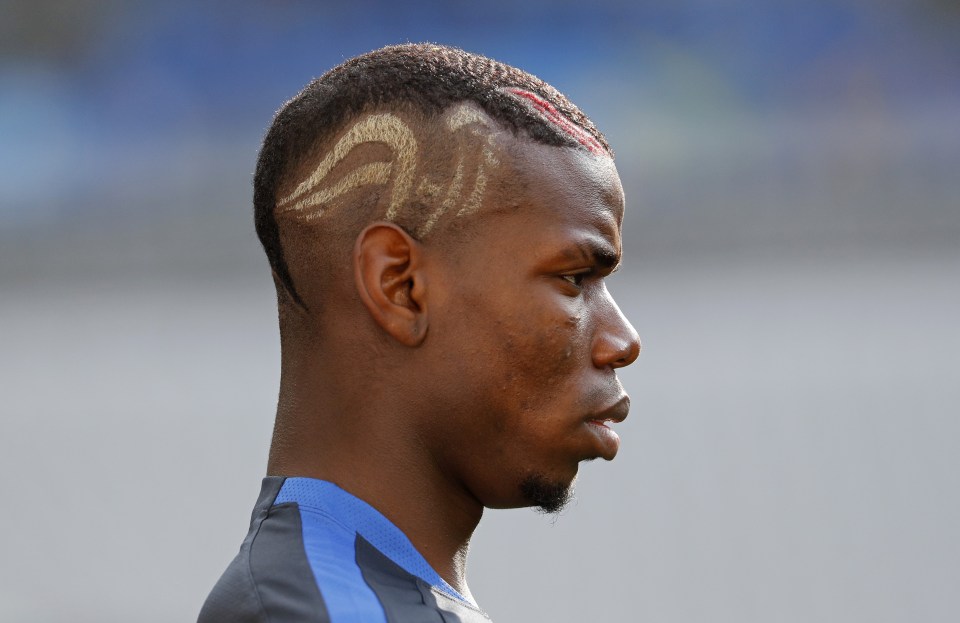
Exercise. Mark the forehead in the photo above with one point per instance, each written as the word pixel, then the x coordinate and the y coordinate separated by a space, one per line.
pixel 565 185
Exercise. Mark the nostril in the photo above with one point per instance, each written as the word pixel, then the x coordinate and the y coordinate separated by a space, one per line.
pixel 616 352
pixel 618 343
pixel 631 352
pixel 631 348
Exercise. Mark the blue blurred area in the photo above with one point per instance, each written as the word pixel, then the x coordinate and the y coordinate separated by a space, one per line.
pixel 109 108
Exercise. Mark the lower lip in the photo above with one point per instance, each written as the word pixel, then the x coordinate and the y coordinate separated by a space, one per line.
pixel 609 440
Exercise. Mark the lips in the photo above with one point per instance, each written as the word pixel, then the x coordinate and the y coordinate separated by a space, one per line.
pixel 607 441
pixel 614 413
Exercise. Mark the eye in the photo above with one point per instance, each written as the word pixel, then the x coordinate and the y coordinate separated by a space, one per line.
pixel 576 279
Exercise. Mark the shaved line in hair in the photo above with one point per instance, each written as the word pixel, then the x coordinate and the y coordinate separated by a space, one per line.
pixel 310 200
pixel 383 128
pixel 463 115
pixel 549 113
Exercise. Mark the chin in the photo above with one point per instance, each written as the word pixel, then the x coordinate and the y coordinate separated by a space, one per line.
pixel 546 494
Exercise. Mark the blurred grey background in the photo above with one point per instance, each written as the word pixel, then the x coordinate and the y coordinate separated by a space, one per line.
pixel 792 264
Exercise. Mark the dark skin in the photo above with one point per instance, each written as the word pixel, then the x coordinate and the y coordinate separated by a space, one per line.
pixel 441 374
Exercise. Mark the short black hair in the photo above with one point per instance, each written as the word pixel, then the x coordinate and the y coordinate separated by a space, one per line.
pixel 425 77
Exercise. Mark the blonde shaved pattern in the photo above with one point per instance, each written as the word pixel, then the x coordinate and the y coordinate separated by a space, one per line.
pixel 312 199
pixel 466 115
pixel 383 128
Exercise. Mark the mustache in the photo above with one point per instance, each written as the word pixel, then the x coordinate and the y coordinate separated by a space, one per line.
pixel 604 395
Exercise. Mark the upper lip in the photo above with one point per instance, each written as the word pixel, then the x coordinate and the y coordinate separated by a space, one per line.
pixel 614 413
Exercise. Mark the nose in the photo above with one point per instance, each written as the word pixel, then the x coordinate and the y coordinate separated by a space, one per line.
pixel 616 343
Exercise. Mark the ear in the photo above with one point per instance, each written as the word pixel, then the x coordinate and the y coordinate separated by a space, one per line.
pixel 388 270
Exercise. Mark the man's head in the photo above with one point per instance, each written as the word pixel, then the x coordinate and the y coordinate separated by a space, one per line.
pixel 410 86
pixel 439 226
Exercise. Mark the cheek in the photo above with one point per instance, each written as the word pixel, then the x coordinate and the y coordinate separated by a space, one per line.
pixel 557 343
pixel 517 348
pixel 538 359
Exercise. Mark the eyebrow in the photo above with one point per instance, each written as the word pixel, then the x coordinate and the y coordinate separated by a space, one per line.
pixel 601 253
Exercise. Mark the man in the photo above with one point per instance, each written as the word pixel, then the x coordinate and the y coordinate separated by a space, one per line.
pixel 439 227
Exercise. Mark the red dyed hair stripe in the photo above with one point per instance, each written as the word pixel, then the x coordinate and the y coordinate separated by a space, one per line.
pixel 554 116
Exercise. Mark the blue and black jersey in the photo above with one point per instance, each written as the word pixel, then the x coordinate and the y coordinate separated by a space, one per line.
pixel 317 553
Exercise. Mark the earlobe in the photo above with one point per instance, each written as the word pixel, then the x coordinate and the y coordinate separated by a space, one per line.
pixel 388 271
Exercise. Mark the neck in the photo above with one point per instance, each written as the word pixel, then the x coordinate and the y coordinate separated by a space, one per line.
pixel 374 453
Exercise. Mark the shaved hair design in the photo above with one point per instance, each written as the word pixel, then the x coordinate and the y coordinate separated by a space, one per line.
pixel 383 128
pixel 312 200
pixel 399 107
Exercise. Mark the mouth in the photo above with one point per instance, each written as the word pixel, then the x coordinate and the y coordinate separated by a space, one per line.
pixel 608 441
pixel 614 413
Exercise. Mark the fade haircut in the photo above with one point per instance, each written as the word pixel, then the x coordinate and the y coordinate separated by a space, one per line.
pixel 424 78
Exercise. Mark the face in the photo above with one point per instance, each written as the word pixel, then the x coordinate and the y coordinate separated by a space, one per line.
pixel 525 335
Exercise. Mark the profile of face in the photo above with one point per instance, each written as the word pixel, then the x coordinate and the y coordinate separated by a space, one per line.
pixel 524 337
pixel 486 262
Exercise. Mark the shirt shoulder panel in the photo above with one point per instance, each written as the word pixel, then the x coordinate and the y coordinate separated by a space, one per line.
pixel 358 517
pixel 270 579
pixel 281 572
pixel 329 548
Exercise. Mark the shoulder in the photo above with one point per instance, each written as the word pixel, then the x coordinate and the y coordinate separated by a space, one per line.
pixel 270 578
pixel 307 558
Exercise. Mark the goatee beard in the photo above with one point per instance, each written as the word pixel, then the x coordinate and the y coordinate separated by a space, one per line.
pixel 548 496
